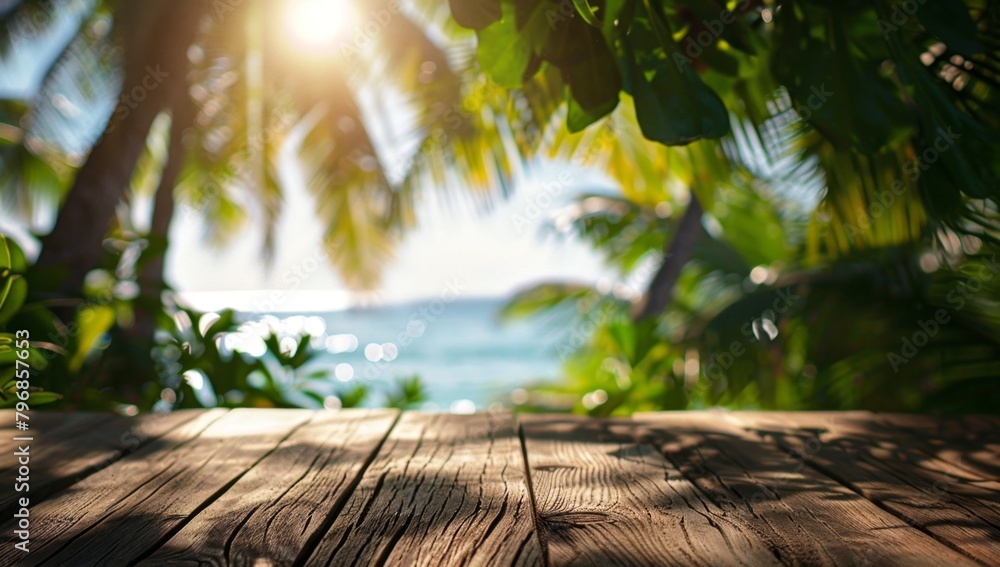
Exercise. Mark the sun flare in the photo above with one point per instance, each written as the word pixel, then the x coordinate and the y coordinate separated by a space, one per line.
pixel 318 23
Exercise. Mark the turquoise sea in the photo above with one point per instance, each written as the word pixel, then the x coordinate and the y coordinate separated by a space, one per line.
pixel 460 350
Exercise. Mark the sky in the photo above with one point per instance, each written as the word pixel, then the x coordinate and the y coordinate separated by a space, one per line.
pixel 484 253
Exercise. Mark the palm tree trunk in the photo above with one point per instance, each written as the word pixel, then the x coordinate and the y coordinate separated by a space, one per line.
pixel 151 280
pixel 74 246
pixel 676 254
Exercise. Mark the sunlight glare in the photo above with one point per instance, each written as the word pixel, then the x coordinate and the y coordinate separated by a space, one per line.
pixel 318 23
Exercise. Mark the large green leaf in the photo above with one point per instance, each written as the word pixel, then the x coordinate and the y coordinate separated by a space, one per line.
pixel 506 47
pixel 593 78
pixel 673 105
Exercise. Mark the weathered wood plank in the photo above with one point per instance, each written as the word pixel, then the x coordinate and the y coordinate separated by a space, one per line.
pixel 75 515
pixel 274 513
pixel 134 523
pixel 54 424
pixel 605 499
pixel 971 442
pixel 67 450
pixel 808 518
pixel 882 466
pixel 443 490
pixel 47 429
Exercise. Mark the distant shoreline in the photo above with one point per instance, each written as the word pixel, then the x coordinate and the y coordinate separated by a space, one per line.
pixel 305 302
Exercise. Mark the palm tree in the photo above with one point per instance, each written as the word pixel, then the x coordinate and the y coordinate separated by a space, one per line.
pixel 769 310
pixel 232 88
pixel 884 105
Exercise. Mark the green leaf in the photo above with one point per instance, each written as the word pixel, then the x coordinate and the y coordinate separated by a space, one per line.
pixel 475 14
pixel 93 322
pixel 677 108
pixel 721 61
pixel 593 78
pixel 586 12
pixel 673 105
pixel 614 12
pixel 11 257
pixel 353 397
pixel 540 298
pixel 578 118
pixel 964 147
pixel 406 392
pixel 505 49
pixel 13 292
pixel 5 259
pixel 303 352
pixel 751 225
pixel 7 378
pixel 37 398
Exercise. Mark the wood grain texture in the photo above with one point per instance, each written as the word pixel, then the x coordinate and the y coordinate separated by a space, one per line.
pixel 47 431
pixel 275 512
pixel 68 447
pixel 91 511
pixel 893 470
pixel 605 499
pixel 372 487
pixel 971 442
pixel 807 517
pixel 443 490
pixel 186 479
pixel 53 424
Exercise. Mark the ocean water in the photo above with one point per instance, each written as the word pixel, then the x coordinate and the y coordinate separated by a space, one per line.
pixel 460 350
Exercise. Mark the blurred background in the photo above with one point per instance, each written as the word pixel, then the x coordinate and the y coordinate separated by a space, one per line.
pixel 599 206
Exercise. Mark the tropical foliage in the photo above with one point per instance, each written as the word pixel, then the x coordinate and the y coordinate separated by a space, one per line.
pixel 841 221
pixel 211 94
pixel 836 160
pixel 878 87
pixel 20 352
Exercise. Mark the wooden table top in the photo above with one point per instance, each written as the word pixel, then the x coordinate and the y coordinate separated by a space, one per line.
pixel 379 487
